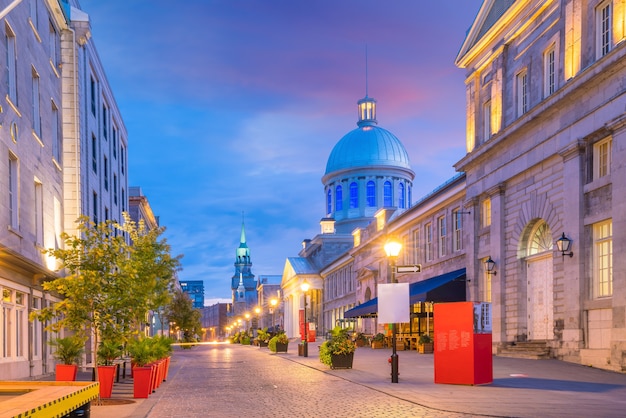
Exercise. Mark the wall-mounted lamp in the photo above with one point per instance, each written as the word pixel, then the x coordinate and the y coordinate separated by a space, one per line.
pixel 564 244
pixel 490 265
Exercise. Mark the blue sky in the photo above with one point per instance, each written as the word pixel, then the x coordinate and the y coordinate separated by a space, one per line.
pixel 234 106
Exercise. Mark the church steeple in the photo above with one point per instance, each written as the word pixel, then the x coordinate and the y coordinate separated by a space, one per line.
pixel 367 105
pixel 243 283
pixel 243 252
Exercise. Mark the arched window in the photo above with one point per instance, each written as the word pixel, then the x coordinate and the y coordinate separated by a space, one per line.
pixel 371 194
pixel 401 195
pixel 338 199
pixel 540 239
pixel 410 197
pixel 387 201
pixel 329 202
pixel 354 195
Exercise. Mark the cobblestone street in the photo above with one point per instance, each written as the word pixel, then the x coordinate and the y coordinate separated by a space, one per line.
pixel 232 381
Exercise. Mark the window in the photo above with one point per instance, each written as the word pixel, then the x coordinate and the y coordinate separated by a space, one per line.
pixel 371 194
pixel 387 200
pixel 114 140
pixel 338 199
pixel 11 45
pixel 115 188
pixel 442 235
pixel 487 120
pixel 603 259
pixel 521 83
pixel 602 158
pixel 354 195
pixel 56 136
pixel 33 13
pixel 36 110
pixel 123 199
pixel 123 159
pixel 429 241
pixel 540 239
pixel 105 170
pixel 95 207
pixel 105 121
pixel 401 195
pixel 53 38
pixel 486 212
pixel 38 213
pixel 457 238
pixel 409 196
pixel 416 246
pixel 94 153
pixel 329 202
pixel 92 91
pixel 37 328
pixel 13 192
pixel 6 322
pixel 549 77
pixel 603 29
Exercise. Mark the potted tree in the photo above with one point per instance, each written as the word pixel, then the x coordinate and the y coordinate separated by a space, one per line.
pixel 425 344
pixel 338 351
pixel 263 337
pixel 108 351
pixel 279 343
pixel 142 353
pixel 378 340
pixel 68 352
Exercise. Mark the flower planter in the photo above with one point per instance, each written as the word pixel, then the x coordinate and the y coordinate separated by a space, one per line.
pixel 167 367
pixel 281 348
pixel 426 348
pixel 262 344
pixel 377 344
pixel 341 361
pixel 106 375
pixel 141 381
pixel 66 372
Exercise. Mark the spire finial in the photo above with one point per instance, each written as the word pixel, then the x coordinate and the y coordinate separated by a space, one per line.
pixel 243 231
pixel 366 79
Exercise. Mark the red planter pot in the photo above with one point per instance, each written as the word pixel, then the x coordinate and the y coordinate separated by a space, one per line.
pixel 167 367
pixel 142 381
pixel 106 375
pixel 66 372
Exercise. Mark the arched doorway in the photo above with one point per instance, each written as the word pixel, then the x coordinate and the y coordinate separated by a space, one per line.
pixel 540 307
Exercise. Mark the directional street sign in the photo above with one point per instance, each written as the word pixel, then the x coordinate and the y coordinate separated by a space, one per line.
pixel 416 268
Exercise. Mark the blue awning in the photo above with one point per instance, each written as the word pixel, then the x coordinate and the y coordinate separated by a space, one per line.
pixel 422 291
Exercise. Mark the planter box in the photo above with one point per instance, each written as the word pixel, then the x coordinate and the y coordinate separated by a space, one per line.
pixel 377 344
pixel 106 375
pixel 66 372
pixel 262 344
pixel 281 348
pixel 141 382
pixel 341 361
pixel 426 348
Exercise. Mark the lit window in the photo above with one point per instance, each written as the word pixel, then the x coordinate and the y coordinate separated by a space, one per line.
pixel 603 29
pixel 486 212
pixel 338 199
pixel 603 259
pixel 602 158
pixel 521 83
pixel 354 195
pixel 371 194
pixel 387 200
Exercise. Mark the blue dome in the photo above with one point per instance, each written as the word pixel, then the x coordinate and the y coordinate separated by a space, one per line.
pixel 366 146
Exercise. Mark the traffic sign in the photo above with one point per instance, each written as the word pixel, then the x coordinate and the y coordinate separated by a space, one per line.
pixel 415 268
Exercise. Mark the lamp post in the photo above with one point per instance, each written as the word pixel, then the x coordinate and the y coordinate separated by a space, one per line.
pixel 305 344
pixel 273 303
pixel 392 249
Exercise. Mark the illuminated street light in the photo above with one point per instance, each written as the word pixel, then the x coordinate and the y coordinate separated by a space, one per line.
pixel 273 303
pixel 392 248
pixel 305 344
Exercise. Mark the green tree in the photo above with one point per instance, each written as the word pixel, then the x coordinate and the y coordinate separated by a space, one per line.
pixel 181 312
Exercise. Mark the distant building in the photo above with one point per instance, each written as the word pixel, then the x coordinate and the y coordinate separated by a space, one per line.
pixel 214 321
pixel 268 290
pixel 195 290
pixel 139 208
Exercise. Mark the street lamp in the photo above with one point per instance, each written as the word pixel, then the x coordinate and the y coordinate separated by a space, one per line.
pixel 273 302
pixel 305 344
pixel 392 248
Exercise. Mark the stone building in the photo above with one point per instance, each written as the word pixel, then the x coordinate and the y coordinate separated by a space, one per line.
pixel 546 141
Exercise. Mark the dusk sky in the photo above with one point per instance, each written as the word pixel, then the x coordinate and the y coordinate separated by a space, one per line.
pixel 234 106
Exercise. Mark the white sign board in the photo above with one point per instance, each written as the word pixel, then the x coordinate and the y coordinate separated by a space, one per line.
pixel 393 303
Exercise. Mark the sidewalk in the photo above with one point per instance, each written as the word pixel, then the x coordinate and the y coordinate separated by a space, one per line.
pixel 521 388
